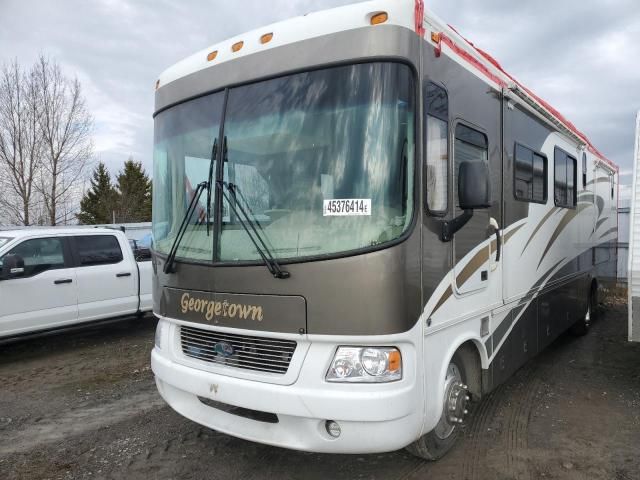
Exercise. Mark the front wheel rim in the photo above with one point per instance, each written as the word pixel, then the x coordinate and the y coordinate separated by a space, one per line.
pixel 454 405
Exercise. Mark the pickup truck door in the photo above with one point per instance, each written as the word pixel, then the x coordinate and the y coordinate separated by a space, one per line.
pixel 107 277
pixel 46 295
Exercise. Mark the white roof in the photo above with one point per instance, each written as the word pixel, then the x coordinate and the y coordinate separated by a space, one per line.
pixel 340 19
pixel 53 231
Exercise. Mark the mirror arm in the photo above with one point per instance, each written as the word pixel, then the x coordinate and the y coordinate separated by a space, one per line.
pixel 450 227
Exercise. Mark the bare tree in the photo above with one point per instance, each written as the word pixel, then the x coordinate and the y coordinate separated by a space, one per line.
pixel 20 143
pixel 66 127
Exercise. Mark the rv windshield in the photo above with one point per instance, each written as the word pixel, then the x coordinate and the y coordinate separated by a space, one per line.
pixel 322 161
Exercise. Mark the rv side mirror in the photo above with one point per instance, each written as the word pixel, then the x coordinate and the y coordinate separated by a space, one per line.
pixel 473 186
pixel 473 193
pixel 12 266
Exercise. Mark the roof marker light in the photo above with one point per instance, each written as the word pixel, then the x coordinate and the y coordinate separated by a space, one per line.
pixel 435 37
pixel 212 55
pixel 379 18
pixel 237 46
pixel 266 38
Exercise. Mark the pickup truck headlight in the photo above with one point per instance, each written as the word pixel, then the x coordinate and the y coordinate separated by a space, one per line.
pixel 365 365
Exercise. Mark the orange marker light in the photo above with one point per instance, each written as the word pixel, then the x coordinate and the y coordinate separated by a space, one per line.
pixel 266 38
pixel 379 18
pixel 212 55
pixel 237 46
pixel 435 37
pixel 395 361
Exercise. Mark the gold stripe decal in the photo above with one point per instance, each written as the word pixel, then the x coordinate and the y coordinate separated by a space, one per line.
pixel 570 215
pixel 445 296
pixel 542 222
pixel 472 267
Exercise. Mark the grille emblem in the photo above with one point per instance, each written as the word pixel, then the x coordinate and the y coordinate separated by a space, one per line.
pixel 225 349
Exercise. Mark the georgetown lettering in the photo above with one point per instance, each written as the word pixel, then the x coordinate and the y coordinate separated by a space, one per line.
pixel 211 308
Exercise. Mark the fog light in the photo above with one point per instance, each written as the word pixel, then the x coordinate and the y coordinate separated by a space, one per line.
pixel 333 428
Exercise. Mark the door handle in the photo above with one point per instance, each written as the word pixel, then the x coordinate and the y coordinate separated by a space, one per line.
pixel 62 281
pixel 123 274
pixel 494 223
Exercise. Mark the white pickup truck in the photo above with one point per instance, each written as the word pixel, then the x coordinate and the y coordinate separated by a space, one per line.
pixel 58 277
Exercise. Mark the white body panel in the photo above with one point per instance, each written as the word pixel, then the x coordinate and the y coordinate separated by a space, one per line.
pixel 36 302
pixel 634 245
pixel 108 290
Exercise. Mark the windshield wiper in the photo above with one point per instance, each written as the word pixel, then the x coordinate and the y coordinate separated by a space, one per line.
pixel 168 267
pixel 274 268
pixel 214 154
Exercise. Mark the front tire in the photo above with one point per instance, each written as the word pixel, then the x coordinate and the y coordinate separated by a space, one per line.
pixel 435 444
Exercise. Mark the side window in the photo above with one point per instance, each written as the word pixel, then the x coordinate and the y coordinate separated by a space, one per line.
pixel 471 146
pixel 437 168
pixel 584 170
pixel 39 254
pixel 530 175
pixel 565 179
pixel 98 250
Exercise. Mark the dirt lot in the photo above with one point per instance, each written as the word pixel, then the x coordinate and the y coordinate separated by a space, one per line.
pixel 84 405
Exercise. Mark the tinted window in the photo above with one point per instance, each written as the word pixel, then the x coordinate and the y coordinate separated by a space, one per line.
pixel 39 254
pixel 471 146
pixel 565 179
pixel 437 151
pixel 584 169
pixel 530 175
pixel 98 250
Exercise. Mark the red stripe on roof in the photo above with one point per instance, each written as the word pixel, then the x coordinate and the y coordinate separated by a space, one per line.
pixel 419 17
pixel 472 60
pixel 495 78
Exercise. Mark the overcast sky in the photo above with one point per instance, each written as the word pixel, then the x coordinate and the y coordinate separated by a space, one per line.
pixel 583 56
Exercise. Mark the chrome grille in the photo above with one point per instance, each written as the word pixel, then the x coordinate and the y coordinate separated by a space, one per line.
pixel 241 351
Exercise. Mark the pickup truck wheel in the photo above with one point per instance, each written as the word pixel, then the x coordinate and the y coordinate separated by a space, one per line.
pixel 435 444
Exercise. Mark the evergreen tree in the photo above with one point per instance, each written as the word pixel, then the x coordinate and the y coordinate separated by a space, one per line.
pixel 98 203
pixel 134 193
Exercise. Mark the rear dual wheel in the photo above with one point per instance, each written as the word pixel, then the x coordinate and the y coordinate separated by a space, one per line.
pixel 581 327
pixel 435 444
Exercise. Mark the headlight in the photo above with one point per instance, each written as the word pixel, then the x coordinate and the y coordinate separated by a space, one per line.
pixel 365 365
pixel 160 328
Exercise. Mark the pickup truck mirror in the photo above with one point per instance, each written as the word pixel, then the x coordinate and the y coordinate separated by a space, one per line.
pixel 12 266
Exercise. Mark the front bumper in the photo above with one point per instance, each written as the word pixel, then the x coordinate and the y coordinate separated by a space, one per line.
pixel 372 417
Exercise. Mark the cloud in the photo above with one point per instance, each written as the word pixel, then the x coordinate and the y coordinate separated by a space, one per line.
pixel 580 55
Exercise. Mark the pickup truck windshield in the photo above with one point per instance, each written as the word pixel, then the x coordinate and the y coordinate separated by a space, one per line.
pixel 321 160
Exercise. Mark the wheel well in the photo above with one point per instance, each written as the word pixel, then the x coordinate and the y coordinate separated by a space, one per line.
pixel 472 364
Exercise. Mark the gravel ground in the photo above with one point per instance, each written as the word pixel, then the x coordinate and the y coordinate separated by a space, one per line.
pixel 84 405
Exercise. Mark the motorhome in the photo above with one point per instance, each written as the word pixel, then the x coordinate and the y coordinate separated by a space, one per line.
pixel 363 224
